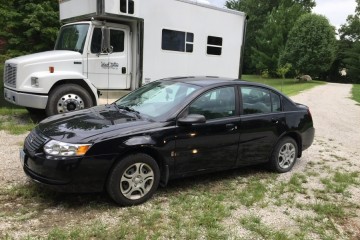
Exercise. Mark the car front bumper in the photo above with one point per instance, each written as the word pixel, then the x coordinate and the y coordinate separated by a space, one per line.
pixel 76 174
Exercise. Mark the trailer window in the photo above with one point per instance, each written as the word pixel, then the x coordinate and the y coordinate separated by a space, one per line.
pixel 177 41
pixel 214 45
pixel 124 8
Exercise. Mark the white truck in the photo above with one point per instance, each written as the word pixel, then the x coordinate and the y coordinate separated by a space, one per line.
pixel 109 47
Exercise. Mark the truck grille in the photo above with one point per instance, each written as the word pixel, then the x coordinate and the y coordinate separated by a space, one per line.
pixel 10 75
pixel 34 141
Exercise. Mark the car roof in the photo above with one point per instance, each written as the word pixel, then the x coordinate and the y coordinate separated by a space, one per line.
pixel 205 81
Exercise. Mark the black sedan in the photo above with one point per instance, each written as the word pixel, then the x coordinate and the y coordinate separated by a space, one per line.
pixel 167 129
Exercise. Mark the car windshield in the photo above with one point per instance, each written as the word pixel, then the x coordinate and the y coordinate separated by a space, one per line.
pixel 72 38
pixel 158 98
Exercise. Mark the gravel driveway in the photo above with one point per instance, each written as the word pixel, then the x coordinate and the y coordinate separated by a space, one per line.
pixel 336 146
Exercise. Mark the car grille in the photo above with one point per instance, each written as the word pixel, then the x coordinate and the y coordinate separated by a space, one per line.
pixel 34 141
pixel 10 75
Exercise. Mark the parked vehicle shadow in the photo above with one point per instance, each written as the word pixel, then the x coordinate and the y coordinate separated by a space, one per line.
pixel 96 201
pixel 37 115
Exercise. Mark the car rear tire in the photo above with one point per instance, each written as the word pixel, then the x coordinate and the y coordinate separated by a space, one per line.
pixel 133 180
pixel 284 155
pixel 66 98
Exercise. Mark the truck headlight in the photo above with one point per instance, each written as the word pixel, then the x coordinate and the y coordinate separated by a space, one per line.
pixel 34 82
pixel 56 148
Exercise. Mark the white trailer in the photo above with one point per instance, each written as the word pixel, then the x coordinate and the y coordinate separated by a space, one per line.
pixel 108 47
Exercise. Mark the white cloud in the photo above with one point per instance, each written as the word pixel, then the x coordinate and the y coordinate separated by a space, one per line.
pixel 219 3
pixel 335 10
pixel 201 1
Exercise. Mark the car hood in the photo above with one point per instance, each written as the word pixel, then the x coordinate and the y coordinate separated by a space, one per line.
pixel 90 125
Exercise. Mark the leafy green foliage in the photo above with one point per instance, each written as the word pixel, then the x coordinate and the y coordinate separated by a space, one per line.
pixel 28 26
pixel 271 38
pixel 311 46
pixel 352 61
pixel 263 34
pixel 282 70
pixel 349 47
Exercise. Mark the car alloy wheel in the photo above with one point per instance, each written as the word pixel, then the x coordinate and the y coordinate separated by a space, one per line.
pixel 136 181
pixel 133 180
pixel 287 155
pixel 284 155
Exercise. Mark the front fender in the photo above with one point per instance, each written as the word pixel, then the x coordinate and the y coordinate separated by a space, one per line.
pixel 140 141
pixel 47 80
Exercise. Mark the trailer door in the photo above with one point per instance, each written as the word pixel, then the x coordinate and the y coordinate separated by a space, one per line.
pixel 110 69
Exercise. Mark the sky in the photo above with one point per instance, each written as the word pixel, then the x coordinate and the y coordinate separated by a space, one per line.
pixel 335 10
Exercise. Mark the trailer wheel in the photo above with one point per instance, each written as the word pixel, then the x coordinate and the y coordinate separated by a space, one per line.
pixel 67 98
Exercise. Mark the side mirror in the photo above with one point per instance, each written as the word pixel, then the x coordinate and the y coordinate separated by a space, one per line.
pixel 192 119
pixel 105 40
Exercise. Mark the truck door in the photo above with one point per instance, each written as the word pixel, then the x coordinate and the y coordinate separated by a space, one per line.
pixel 109 68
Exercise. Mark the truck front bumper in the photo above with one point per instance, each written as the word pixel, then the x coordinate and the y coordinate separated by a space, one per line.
pixel 25 99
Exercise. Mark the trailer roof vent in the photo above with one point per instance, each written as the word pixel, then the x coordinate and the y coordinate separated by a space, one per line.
pixel 127 6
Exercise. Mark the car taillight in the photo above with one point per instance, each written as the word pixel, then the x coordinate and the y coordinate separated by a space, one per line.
pixel 309 112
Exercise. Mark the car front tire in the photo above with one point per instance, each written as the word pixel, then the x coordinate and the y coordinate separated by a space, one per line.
pixel 133 180
pixel 284 155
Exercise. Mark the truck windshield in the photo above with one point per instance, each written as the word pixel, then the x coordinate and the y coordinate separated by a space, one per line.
pixel 72 38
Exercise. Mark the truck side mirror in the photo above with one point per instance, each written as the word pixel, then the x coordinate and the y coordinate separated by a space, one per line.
pixel 105 40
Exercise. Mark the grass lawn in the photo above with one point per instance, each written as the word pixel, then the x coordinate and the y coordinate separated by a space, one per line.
pixel 288 86
pixel 356 93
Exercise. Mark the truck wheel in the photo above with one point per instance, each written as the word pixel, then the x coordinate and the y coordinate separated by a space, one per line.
pixel 133 180
pixel 67 98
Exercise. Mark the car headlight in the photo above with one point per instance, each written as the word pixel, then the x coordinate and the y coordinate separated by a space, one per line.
pixel 56 148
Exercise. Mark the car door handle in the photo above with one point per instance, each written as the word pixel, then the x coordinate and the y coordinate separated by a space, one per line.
pixel 123 70
pixel 231 126
pixel 275 120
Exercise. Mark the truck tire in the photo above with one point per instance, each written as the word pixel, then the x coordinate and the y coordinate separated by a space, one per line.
pixel 67 98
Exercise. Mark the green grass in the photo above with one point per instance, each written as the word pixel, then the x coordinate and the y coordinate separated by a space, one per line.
pixel 356 93
pixel 254 224
pixel 254 192
pixel 288 86
pixel 340 182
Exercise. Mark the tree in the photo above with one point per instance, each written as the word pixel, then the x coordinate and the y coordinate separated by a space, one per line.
pixel 311 46
pixel 28 26
pixel 352 62
pixel 349 47
pixel 271 38
pixel 258 10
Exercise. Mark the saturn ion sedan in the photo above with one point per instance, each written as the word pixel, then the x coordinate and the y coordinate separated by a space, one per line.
pixel 167 129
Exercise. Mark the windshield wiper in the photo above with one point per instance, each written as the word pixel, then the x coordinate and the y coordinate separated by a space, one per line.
pixel 129 109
